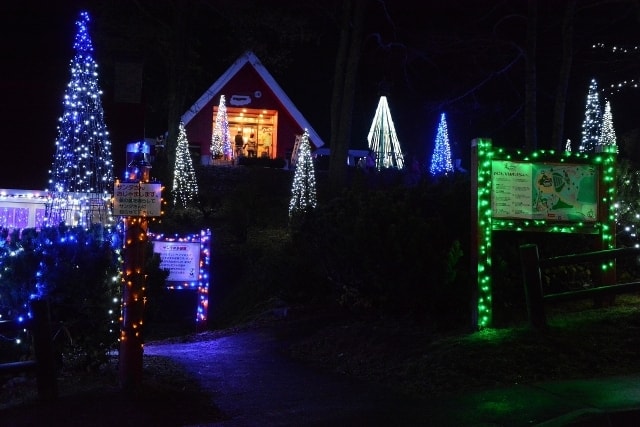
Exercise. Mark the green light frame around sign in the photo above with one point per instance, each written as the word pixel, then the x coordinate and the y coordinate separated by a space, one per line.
pixel 604 226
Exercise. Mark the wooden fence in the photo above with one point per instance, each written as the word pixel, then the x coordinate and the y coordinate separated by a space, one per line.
pixel 43 362
pixel 531 273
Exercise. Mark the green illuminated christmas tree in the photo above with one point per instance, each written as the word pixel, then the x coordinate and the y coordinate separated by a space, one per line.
pixel 185 185
pixel 82 160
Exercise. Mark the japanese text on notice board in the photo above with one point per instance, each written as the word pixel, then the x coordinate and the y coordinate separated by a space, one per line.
pixel 182 259
pixel 137 199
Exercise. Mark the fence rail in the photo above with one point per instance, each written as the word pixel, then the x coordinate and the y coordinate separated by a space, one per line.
pixel 43 363
pixel 531 272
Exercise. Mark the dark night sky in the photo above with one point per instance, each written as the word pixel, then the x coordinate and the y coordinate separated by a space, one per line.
pixel 36 51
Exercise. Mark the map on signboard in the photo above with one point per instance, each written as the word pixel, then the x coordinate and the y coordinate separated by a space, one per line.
pixel 550 191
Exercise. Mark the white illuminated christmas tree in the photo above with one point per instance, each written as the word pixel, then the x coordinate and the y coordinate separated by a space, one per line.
pixel 441 159
pixel 82 160
pixel 221 137
pixel 185 185
pixel 608 137
pixel 303 191
pixel 383 140
pixel 567 146
pixel 592 124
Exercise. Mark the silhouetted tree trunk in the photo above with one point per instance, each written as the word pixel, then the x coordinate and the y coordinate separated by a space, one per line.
pixel 563 77
pixel 345 76
pixel 530 108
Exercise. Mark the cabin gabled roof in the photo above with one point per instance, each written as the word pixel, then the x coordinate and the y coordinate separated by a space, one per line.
pixel 250 58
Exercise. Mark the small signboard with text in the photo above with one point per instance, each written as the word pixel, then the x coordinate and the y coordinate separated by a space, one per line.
pixel 137 199
pixel 182 259
pixel 188 260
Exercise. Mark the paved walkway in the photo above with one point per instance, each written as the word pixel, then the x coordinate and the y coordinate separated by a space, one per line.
pixel 254 384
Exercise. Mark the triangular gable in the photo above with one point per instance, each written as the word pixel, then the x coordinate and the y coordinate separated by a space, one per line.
pixel 250 57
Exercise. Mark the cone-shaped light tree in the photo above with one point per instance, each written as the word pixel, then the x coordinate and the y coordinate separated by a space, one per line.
pixel 592 124
pixel 441 159
pixel 303 191
pixel 383 139
pixel 185 185
pixel 221 137
pixel 608 137
pixel 82 160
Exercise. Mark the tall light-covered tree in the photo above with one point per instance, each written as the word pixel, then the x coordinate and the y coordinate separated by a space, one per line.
pixel 383 139
pixel 185 185
pixel 221 137
pixel 592 124
pixel 303 191
pixel 608 137
pixel 441 158
pixel 82 160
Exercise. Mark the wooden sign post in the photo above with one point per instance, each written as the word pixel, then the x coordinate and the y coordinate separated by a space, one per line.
pixel 136 199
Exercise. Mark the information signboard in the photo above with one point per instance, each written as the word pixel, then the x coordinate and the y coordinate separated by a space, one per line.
pixel 137 199
pixel 548 191
pixel 182 259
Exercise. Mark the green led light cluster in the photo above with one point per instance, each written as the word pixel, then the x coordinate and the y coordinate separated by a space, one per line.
pixel 487 224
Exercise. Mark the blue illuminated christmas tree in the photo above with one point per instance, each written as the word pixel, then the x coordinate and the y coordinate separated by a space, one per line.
pixel 185 185
pixel 82 160
pixel 303 191
pixel 441 159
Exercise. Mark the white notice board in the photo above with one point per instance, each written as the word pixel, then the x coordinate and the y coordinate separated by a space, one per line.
pixel 182 259
pixel 137 199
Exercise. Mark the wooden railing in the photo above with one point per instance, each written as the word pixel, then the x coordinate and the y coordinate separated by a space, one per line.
pixel 532 276
pixel 43 362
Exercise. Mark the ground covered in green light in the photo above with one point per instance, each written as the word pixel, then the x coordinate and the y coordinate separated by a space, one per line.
pixel 582 342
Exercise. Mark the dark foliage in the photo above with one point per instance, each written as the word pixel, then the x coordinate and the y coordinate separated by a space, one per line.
pixel 391 249
pixel 77 271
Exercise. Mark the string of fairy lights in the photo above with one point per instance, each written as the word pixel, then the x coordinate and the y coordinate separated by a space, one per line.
pixel 627 51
